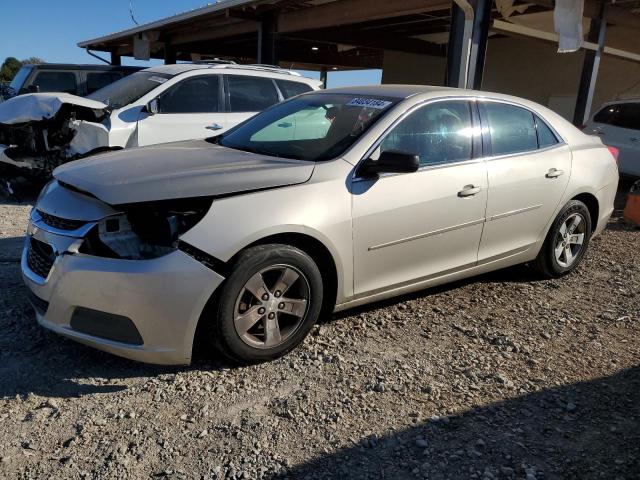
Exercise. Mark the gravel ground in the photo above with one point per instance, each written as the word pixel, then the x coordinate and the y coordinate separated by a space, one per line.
pixel 501 376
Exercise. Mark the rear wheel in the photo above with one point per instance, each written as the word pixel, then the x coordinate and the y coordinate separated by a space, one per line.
pixel 268 304
pixel 566 242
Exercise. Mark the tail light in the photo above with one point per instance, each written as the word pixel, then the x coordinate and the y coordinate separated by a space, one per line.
pixel 615 152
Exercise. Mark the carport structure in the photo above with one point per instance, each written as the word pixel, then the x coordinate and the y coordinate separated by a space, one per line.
pixel 506 45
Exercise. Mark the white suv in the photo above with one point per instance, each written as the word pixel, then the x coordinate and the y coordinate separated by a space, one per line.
pixel 618 124
pixel 157 105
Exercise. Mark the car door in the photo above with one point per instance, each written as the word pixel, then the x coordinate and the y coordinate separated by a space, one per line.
pixel 411 227
pixel 247 95
pixel 528 170
pixel 189 109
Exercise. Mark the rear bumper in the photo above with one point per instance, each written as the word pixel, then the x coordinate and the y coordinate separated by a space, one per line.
pixel 163 298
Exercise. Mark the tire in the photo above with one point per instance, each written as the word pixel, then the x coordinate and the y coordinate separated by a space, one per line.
pixel 551 265
pixel 282 318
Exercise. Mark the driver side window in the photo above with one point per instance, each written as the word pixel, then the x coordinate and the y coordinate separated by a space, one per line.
pixel 439 133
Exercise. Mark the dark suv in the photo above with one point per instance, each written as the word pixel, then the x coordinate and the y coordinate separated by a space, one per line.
pixel 78 80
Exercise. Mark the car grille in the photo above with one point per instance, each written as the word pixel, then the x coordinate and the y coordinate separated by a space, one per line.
pixel 60 223
pixel 40 257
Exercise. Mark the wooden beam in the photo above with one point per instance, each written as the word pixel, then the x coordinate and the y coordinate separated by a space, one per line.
pixel 519 30
pixel 382 42
pixel 615 15
pixel 215 32
pixel 347 12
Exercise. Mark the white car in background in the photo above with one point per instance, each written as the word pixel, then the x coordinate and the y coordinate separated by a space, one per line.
pixel 162 104
pixel 618 124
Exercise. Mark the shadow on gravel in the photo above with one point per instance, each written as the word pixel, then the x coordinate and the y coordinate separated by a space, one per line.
pixel 515 274
pixel 579 431
pixel 11 249
pixel 36 361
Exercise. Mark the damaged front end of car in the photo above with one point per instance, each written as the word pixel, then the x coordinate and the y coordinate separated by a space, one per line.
pixel 39 132
pixel 115 276
pixel 146 230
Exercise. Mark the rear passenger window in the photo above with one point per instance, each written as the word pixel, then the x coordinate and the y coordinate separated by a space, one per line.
pixel 193 95
pixel 56 82
pixel 291 89
pixel 512 129
pixel 546 137
pixel 438 133
pixel 95 81
pixel 251 94
pixel 606 114
pixel 627 116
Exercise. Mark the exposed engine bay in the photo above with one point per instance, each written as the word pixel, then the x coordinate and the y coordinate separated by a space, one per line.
pixel 39 132
pixel 38 147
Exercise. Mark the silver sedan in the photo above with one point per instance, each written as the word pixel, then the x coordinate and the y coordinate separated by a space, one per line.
pixel 327 201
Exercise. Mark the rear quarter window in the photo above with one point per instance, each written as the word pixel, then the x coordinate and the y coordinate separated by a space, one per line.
pixel 546 137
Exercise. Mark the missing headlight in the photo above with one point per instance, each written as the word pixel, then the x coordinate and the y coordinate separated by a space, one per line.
pixel 144 231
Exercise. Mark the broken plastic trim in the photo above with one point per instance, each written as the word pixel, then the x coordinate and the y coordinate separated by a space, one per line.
pixel 204 258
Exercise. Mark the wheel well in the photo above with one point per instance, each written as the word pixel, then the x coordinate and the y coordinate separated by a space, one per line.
pixel 592 205
pixel 312 247
pixel 320 255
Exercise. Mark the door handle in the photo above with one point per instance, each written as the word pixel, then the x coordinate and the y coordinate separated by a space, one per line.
pixel 634 139
pixel 469 191
pixel 599 132
pixel 214 126
pixel 554 173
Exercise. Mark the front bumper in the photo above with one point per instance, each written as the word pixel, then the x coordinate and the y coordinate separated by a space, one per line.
pixel 163 297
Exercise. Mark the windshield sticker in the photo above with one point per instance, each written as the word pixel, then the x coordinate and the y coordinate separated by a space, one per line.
pixel 158 79
pixel 369 103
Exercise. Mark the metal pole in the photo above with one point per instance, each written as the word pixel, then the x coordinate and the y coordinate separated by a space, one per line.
pixel 590 68
pixel 480 36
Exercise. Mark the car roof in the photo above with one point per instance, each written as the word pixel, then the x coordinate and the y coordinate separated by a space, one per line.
pixel 75 66
pixel 427 91
pixel 622 100
pixel 179 68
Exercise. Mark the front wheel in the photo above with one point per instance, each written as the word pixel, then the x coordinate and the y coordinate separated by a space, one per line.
pixel 566 242
pixel 268 304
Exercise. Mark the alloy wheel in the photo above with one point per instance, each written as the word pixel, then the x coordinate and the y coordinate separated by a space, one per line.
pixel 570 240
pixel 271 306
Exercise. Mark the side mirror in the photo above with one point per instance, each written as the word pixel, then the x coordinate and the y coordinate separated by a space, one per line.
pixel 390 161
pixel 153 106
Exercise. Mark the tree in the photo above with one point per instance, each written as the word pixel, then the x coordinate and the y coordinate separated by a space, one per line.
pixel 33 61
pixel 9 69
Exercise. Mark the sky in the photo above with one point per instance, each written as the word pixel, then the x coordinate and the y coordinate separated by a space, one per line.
pixel 51 29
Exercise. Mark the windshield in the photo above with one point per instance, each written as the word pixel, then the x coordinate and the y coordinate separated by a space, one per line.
pixel 316 126
pixel 20 78
pixel 129 89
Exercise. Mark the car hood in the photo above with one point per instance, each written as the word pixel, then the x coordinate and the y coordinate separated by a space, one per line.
pixel 179 170
pixel 34 107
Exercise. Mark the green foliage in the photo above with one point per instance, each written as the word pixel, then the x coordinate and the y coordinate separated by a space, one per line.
pixel 9 69
pixel 33 61
pixel 11 66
